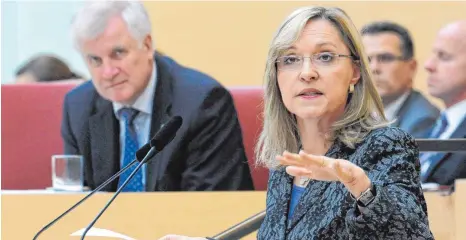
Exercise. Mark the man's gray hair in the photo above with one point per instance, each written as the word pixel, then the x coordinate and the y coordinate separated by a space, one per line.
pixel 93 18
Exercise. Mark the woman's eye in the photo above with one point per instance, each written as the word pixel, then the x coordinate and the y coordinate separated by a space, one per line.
pixel 290 60
pixel 325 57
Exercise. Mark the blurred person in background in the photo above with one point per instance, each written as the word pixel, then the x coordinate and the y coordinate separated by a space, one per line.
pixel 446 80
pixel 45 68
pixel 391 56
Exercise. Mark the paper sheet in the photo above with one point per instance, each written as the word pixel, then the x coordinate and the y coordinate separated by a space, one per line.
pixel 99 232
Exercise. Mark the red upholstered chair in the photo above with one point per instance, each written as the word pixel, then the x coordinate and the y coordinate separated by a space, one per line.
pixel 248 103
pixel 31 116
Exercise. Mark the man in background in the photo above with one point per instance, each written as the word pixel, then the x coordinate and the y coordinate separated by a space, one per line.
pixel 133 92
pixel 447 81
pixel 391 56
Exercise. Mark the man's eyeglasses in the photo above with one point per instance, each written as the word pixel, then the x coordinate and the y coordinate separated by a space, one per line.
pixel 319 60
pixel 386 58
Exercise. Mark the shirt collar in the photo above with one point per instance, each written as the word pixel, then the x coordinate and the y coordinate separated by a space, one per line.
pixel 392 109
pixel 144 102
pixel 455 114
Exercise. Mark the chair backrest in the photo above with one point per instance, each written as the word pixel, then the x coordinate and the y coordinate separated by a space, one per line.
pixel 31 118
pixel 248 103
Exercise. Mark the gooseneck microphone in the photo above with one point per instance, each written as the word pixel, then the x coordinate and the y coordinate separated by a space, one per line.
pixel 144 153
pixel 139 156
pixel 157 144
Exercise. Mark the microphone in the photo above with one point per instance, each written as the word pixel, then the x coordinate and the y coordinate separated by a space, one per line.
pixel 164 136
pixel 140 155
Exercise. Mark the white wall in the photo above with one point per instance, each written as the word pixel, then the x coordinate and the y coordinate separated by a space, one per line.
pixel 33 27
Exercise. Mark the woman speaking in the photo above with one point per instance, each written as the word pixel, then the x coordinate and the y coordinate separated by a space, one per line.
pixel 337 170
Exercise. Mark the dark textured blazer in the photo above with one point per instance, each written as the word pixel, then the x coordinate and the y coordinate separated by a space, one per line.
pixel 445 168
pixel 417 115
pixel 206 154
pixel 326 211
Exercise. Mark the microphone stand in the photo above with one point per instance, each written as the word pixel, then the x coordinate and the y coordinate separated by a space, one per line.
pixel 144 160
pixel 156 144
pixel 86 197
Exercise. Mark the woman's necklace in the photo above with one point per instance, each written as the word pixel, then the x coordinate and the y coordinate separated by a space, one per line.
pixel 303 181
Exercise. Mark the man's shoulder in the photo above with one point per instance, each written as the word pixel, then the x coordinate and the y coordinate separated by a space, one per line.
pixel 81 98
pixel 421 104
pixel 82 92
pixel 188 78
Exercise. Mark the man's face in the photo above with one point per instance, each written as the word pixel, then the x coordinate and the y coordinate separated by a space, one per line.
pixel 120 65
pixel 393 76
pixel 447 66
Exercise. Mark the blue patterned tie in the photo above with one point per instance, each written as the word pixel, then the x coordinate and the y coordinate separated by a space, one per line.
pixel 425 158
pixel 131 146
pixel 440 126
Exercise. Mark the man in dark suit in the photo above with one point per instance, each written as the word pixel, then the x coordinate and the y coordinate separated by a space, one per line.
pixel 447 81
pixel 133 92
pixel 391 55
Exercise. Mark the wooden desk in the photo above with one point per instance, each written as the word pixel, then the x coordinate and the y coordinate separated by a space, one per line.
pixel 152 215
pixel 460 209
pixel 441 210
pixel 141 216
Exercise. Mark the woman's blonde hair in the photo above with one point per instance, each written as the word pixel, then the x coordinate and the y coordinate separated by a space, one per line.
pixel 363 112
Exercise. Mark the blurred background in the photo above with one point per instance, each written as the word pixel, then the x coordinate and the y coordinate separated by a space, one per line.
pixel 226 39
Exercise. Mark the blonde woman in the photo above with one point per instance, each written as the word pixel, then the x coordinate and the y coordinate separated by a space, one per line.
pixel 337 170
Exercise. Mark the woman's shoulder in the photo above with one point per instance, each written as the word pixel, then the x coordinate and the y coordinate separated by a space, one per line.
pixel 386 142
pixel 387 139
pixel 389 134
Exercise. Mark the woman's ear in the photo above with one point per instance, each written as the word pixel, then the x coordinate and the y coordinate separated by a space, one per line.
pixel 356 73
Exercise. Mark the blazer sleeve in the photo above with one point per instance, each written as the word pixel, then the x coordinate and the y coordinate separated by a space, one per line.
pixel 69 141
pixel 216 159
pixel 399 210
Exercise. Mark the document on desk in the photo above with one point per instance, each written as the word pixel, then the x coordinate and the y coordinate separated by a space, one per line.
pixel 99 232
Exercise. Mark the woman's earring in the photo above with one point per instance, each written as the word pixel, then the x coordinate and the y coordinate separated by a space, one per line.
pixel 351 88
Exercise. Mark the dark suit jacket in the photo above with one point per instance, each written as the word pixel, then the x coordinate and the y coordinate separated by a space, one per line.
pixel 446 167
pixel 417 115
pixel 206 154
pixel 326 211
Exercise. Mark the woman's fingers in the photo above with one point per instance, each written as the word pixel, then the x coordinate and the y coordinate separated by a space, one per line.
pixel 314 160
pixel 298 171
pixel 320 167
pixel 290 159
pixel 304 160
pixel 344 174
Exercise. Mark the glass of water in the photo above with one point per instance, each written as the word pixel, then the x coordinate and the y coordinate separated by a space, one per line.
pixel 67 172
